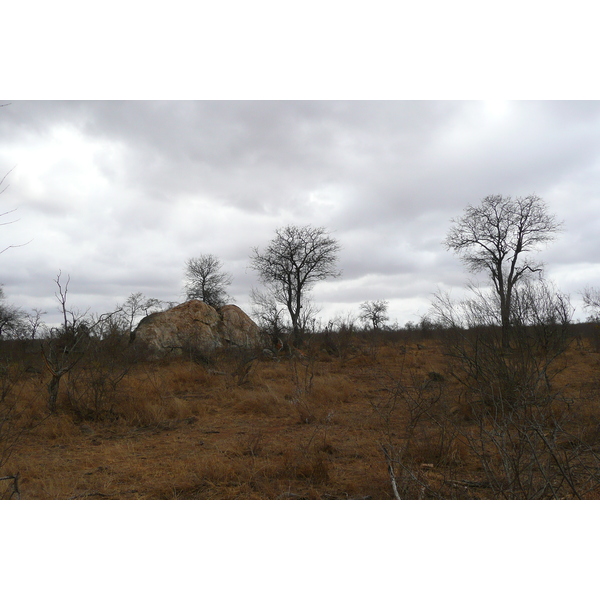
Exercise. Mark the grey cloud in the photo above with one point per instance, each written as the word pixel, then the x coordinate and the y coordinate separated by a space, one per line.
pixel 149 184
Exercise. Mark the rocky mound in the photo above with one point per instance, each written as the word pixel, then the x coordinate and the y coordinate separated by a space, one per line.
pixel 196 326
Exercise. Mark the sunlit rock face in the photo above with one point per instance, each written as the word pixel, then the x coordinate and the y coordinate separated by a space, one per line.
pixel 196 326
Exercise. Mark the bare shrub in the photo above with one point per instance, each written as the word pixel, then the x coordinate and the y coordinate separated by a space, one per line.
pixel 521 437
pixel 529 454
pixel 92 389
pixel 412 433
pixel 520 374
pixel 339 337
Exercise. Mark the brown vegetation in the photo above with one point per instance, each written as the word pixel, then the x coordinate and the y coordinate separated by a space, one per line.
pixel 365 415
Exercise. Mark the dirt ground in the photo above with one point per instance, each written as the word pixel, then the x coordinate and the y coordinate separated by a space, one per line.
pixel 300 427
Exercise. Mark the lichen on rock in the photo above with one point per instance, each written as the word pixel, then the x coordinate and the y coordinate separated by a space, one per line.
pixel 196 326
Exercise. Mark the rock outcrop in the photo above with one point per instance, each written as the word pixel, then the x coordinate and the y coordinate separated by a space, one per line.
pixel 196 326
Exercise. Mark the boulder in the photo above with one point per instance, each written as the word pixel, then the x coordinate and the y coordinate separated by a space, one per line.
pixel 196 326
pixel 238 328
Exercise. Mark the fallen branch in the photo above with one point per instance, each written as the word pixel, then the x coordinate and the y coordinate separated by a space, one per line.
pixel 388 459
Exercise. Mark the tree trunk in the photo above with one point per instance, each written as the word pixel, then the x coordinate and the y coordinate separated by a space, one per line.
pixel 504 314
pixel 296 331
pixel 505 335
pixel 53 392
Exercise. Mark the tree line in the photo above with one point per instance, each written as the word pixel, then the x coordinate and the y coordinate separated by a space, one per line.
pixel 499 237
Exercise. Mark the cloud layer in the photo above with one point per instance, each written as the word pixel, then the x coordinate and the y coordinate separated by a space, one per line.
pixel 119 194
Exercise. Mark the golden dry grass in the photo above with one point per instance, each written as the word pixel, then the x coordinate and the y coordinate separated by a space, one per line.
pixel 298 428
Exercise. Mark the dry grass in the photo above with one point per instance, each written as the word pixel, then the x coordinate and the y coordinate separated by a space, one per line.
pixel 296 428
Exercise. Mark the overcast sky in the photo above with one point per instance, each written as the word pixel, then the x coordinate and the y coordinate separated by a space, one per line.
pixel 118 194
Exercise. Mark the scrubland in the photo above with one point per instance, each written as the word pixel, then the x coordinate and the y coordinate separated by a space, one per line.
pixel 356 415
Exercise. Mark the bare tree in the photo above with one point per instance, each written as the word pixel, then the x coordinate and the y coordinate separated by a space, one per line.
pixel 292 263
pixel 374 313
pixel 494 237
pixel 63 350
pixel 68 344
pixel 12 320
pixel 206 281
pixel 267 313
pixel 591 302
pixel 137 305
pixel 35 322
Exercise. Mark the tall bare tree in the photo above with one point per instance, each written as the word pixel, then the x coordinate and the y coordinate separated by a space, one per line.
pixel 206 281
pixel 296 259
pixel 496 237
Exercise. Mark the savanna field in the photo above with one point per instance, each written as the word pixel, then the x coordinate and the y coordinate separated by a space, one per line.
pixel 353 415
